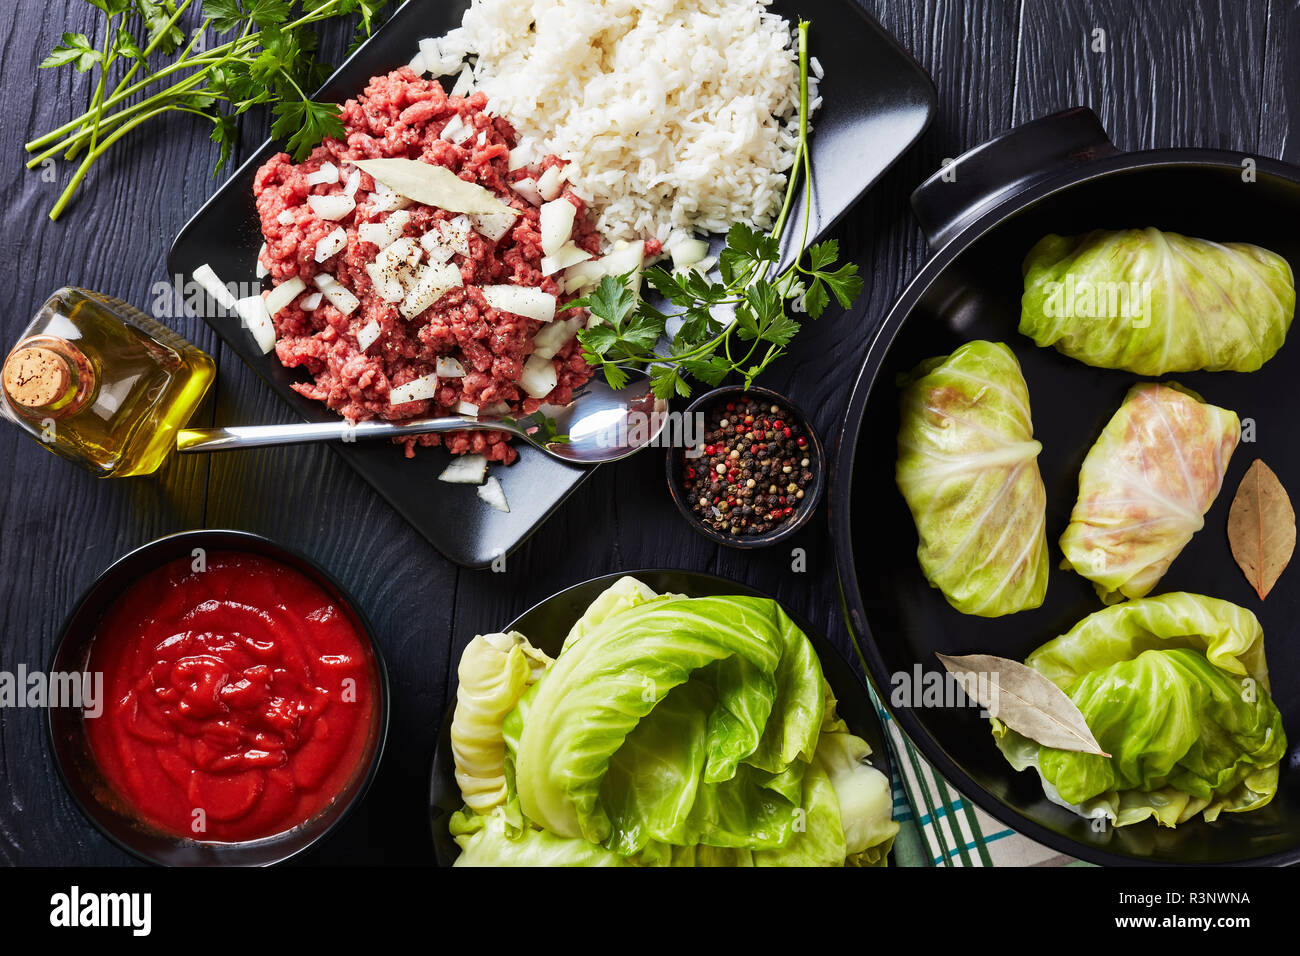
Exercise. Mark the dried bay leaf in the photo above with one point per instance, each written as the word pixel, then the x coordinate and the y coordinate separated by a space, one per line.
pixel 1024 700
pixel 1261 527
pixel 434 186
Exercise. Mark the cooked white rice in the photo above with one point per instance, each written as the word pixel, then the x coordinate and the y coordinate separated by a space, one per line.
pixel 676 115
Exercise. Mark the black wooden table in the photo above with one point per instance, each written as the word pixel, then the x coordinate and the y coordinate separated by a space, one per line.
pixel 1173 73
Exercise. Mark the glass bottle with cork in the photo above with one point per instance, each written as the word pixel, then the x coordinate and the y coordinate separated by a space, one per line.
pixel 98 382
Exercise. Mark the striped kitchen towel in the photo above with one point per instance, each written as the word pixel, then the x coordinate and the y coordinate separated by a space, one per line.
pixel 940 827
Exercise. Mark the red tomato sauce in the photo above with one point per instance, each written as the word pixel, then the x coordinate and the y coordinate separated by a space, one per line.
pixel 239 699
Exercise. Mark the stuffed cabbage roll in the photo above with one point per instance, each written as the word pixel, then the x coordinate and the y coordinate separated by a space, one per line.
pixel 1154 302
pixel 968 467
pixel 1175 689
pixel 1145 487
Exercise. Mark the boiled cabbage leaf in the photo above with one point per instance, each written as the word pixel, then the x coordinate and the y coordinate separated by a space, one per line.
pixel 968 468
pixel 1175 688
pixel 494 672
pixel 1145 487
pixel 1153 302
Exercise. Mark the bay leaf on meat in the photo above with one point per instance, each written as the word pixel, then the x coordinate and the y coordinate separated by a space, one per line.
pixel 1261 527
pixel 434 186
pixel 1024 700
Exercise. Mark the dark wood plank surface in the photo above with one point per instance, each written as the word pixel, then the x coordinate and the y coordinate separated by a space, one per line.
pixel 1174 72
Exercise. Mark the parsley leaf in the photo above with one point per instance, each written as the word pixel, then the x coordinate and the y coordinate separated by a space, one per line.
pixel 75 49
pixel 304 123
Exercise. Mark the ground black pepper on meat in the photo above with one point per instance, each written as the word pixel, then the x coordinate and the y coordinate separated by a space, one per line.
pixel 755 470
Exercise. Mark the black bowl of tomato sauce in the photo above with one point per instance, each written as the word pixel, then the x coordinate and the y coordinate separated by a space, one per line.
pixel 238 702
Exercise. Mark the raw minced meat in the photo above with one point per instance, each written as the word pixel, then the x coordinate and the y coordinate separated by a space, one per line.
pixel 401 115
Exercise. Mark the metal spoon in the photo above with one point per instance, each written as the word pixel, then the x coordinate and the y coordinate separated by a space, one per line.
pixel 600 425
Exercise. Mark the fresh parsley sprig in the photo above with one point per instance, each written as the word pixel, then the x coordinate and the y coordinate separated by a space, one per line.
pixel 627 330
pixel 267 57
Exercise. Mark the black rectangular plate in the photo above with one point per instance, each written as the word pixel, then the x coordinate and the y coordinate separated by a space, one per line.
pixel 876 102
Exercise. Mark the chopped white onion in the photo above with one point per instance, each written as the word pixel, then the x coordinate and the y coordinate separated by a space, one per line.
pixel 453 127
pixel 688 252
pixel 564 257
pixel 418 65
pixel 555 222
pixel 551 183
pixel 465 470
pixel 433 283
pixel 339 297
pixel 332 244
pixel 554 336
pixel 310 303
pixel 527 301
pixel 492 226
pixel 353 184
pixel 333 207
pixel 539 377
pixel 252 310
pixel 384 199
pixel 384 234
pixel 386 286
pixel 527 188
pixel 467 408
pixel 491 492
pixel 464 84
pixel 328 174
pixel 285 218
pixel 519 157
pixel 283 294
pixel 262 271
pixel 415 390
pixel 450 368
pixel 214 287
pixel 368 334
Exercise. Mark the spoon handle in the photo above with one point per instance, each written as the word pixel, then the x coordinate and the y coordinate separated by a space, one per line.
pixel 255 436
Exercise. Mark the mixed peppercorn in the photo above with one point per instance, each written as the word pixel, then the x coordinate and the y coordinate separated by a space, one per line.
pixel 755 469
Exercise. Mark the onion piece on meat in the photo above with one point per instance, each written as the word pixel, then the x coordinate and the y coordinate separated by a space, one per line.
pixel 452 128
pixel 285 218
pixel 492 492
pixel 262 271
pixel 433 283
pixel 332 244
pixel 555 223
pixel 353 184
pixel 551 183
pixel 214 287
pixel 384 234
pixel 449 368
pixel 555 336
pixel 415 390
pixel 519 157
pixel 527 301
pixel 387 287
pixel 564 257
pixel 332 208
pixel 339 297
pixel 469 409
pixel 465 470
pixel 257 320
pixel 368 334
pixel 283 294
pixel 384 199
pixel 310 303
pixel 539 377
pixel 464 84
pixel 527 188
pixel 327 175
pixel 492 226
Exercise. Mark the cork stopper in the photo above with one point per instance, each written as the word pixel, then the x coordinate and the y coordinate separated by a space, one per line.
pixel 35 377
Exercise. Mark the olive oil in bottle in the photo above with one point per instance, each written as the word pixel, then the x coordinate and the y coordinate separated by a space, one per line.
pixel 98 382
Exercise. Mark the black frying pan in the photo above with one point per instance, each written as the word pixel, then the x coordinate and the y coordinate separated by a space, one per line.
pixel 1061 174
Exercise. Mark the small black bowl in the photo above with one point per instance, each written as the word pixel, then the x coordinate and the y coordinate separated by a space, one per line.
pixel 676 464
pixel 66 725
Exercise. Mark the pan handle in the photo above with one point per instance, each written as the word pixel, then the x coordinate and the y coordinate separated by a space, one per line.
pixel 1012 161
